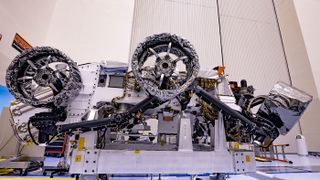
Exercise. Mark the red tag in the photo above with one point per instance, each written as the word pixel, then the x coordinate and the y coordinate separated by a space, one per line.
pixel 20 44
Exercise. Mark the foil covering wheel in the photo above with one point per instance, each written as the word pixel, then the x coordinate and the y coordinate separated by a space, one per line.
pixel 43 77
pixel 161 77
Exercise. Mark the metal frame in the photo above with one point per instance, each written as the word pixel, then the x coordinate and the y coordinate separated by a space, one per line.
pixel 18 162
pixel 184 160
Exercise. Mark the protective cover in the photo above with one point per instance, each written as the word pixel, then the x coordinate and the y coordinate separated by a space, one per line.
pixel 285 106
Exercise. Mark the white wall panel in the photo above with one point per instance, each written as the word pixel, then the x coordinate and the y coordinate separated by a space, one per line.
pixel 308 13
pixel 195 20
pixel 251 43
pixel 92 30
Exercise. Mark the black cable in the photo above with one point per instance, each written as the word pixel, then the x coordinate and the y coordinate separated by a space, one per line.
pixel 103 138
pixel 34 165
pixel 84 64
pixel 30 134
pixel 282 42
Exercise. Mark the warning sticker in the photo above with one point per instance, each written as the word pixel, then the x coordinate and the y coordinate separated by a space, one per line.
pixel 81 143
pixel 78 158
pixel 248 158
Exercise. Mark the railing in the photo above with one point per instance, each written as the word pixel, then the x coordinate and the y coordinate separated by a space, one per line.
pixel 275 152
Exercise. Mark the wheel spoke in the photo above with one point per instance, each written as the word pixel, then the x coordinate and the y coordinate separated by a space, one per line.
pixel 31 73
pixel 179 59
pixel 25 78
pixel 154 53
pixel 28 85
pixel 34 91
pixel 53 87
pixel 47 62
pixel 32 65
pixel 25 91
pixel 61 74
pixel 161 80
pixel 169 49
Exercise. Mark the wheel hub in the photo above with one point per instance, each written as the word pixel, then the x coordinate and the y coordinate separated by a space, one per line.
pixel 43 77
pixel 165 67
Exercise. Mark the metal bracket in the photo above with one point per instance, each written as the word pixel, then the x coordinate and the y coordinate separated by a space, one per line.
pixel 244 161
pixel 90 162
pixel 185 139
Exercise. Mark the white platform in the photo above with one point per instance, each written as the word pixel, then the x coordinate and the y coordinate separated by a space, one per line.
pixel 298 161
